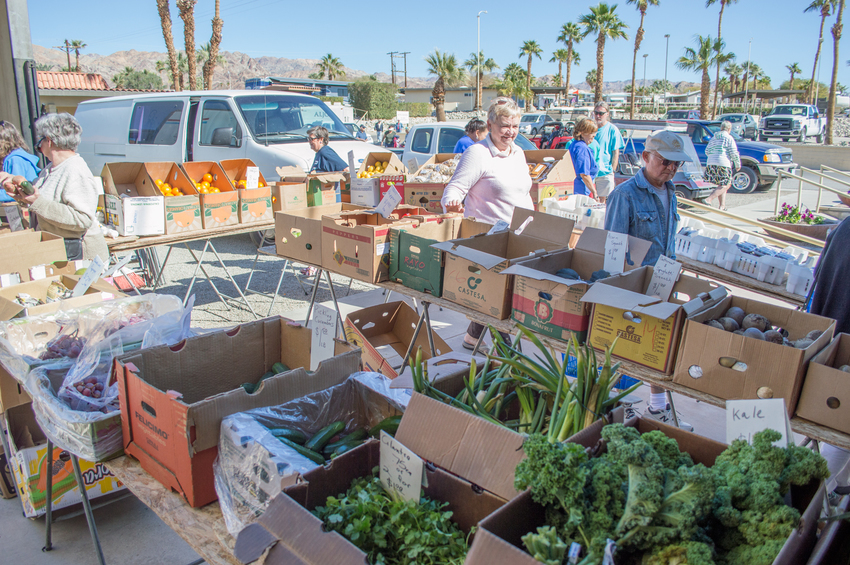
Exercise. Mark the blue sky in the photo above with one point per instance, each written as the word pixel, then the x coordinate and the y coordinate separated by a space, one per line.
pixel 361 34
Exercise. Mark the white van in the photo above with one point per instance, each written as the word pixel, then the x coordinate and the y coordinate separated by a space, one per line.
pixel 268 127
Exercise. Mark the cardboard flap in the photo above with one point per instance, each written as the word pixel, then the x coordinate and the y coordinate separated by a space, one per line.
pixel 481 452
pixel 544 226
pixel 291 172
pixel 593 240
pixel 705 300
pixel 522 270
pixel 325 178
pixel 623 299
pixel 440 368
pixel 482 258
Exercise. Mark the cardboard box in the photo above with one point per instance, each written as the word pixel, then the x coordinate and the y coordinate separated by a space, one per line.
pixel 12 393
pixel 298 233
pixel 648 329
pixel 29 460
pixel 759 363
pixel 7 479
pixel 134 206
pixel 442 371
pixel 560 178
pixel 288 195
pixel 415 264
pixel 99 291
pixel 174 397
pixel 551 305
pixel 825 397
pixel 473 270
pixel 58 268
pixel 369 191
pixel 255 204
pixel 324 188
pixel 25 249
pixel 426 194
pixel 182 213
pixel 217 210
pixel 388 329
pixel 450 439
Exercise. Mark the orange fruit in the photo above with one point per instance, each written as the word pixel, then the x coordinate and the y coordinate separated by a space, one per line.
pixel 208 177
pixel 205 184
pixel 158 182
pixel 165 186
pixel 215 190
pixel 177 193
pixel 203 190
pixel 260 184
pixel 197 185
pixel 242 183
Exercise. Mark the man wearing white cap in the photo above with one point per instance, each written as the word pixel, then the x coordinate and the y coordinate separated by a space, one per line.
pixel 645 206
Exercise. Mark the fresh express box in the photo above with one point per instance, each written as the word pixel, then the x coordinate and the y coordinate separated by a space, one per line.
pixel 30 467
pixel 825 398
pixel 298 233
pixel 255 204
pixel 219 199
pixel 134 205
pixel 324 188
pixel 386 331
pixel 473 271
pixel 647 329
pixel 425 187
pixel 173 398
pixel 732 366
pixel 551 305
pixel 23 250
pixel 552 174
pixel 182 213
pixel 288 195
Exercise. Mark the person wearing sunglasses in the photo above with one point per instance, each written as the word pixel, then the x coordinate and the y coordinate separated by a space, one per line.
pixel 610 144
pixel 326 160
pixel 15 157
pixel 645 206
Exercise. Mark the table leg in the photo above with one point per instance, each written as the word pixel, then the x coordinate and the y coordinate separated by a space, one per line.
pixel 336 304
pixel 48 516
pixel 8 451
pixel 479 341
pixel 409 351
pixel 428 329
pixel 672 409
pixel 313 297
pixel 253 267
pixel 162 267
pixel 387 293
pixel 195 275
pixel 349 288
pixel 229 276
pixel 87 508
pixel 276 290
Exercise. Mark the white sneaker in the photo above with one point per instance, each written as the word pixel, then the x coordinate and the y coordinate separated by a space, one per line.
pixel 666 416
pixel 629 403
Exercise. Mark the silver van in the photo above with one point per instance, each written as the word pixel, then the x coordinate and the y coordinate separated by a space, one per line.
pixel 270 128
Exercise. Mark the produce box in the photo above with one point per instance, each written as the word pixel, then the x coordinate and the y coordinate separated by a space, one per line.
pixel 556 175
pixel 827 387
pixel 289 526
pixel 217 209
pixel 473 270
pixel 324 188
pixel 551 305
pixel 387 330
pixel 99 291
pixel 298 233
pixel 29 460
pixel 254 465
pixel 255 204
pixel 55 269
pixel 425 186
pixel 7 479
pixel 134 205
pixel 368 191
pixel 288 195
pixel 182 213
pixel 12 393
pixel 414 263
pixel 443 371
pixel 648 330
pixel 758 368
pixel 175 397
pixel 25 249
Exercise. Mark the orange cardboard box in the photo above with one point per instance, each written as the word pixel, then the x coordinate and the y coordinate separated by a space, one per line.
pixel 255 204
pixel 217 210
pixel 182 213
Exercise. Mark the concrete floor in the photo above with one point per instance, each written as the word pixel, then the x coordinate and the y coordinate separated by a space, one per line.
pixel 132 534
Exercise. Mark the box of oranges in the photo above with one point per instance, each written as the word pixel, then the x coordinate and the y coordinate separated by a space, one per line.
pixel 182 203
pixel 366 185
pixel 219 198
pixel 255 203
pixel 134 204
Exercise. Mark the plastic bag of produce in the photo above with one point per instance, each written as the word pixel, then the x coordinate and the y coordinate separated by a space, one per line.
pixel 253 465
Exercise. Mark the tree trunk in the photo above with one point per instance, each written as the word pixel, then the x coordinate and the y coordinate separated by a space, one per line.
pixel 77 53
pixel 717 78
pixel 600 64
pixel 791 83
pixel 638 39
pixel 187 14
pixel 439 95
pixel 705 91
pixel 215 41
pixel 528 86
pixel 810 95
pixel 68 53
pixel 569 67
pixel 165 19
pixel 830 108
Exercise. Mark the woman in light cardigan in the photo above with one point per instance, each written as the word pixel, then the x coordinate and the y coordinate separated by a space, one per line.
pixel 491 179
pixel 721 156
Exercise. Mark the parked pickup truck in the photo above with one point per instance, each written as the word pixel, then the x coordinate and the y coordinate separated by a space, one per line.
pixel 425 140
pixel 793 120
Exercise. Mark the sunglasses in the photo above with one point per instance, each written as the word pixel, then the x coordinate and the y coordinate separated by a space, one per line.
pixel 38 143
pixel 667 162
pixel 600 113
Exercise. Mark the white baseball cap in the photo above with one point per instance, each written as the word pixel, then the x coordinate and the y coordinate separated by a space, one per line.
pixel 668 144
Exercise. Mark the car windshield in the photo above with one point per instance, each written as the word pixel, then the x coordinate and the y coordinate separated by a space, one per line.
pixel 524 143
pixel 715 127
pixel 732 119
pixel 677 115
pixel 530 118
pixel 788 111
pixel 280 118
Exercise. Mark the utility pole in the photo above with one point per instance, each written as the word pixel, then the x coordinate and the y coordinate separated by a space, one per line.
pixel 666 52
pixel 747 85
pixel 645 55
pixel 392 64
pixel 405 54
pixel 67 49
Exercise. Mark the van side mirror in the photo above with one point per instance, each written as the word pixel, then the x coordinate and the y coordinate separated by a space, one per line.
pixel 222 137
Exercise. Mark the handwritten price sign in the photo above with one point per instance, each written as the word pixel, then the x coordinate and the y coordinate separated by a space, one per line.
pixel 744 418
pixel 616 245
pixel 401 469
pixel 323 328
pixel 664 276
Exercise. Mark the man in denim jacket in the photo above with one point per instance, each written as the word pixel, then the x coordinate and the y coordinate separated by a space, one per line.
pixel 645 207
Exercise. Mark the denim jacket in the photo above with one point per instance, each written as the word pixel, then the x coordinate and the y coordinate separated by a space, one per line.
pixel 634 208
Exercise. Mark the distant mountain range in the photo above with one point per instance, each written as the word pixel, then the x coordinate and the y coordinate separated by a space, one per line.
pixel 239 66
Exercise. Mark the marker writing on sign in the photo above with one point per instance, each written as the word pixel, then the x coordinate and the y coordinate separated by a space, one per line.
pixel 741 415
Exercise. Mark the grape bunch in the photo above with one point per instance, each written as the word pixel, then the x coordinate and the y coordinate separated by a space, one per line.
pixel 63 346
pixel 89 387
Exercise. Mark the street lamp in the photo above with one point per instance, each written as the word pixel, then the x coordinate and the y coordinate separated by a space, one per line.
pixel 666 52
pixel 645 55
pixel 478 66
pixel 747 84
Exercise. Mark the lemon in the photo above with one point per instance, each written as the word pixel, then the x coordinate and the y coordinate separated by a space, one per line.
pixel 384 164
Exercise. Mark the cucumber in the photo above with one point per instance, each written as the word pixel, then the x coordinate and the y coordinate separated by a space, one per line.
pixel 27 188
pixel 249 387
pixel 279 368
pixel 292 435
pixel 308 453
pixel 323 436
pixel 389 425
pixel 345 447
pixel 356 436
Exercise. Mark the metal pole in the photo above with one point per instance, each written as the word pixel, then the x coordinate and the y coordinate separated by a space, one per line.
pixel 666 52
pixel 747 84
pixel 48 517
pixel 778 190
pixel 645 55
pixel 478 66
pixel 87 508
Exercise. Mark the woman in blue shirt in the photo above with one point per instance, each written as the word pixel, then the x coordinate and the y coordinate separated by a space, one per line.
pixel 476 130
pixel 583 161
pixel 326 160
pixel 15 157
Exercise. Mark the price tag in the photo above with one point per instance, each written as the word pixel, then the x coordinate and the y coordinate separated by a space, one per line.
pixel 412 165
pixel 13 216
pixel 574 553
pixel 323 328
pixel 610 550
pixel 401 469
pixel 88 278
pixel 665 273
pixel 616 245
pixel 744 418
pixel 252 177
pixel 389 202
pixel 501 225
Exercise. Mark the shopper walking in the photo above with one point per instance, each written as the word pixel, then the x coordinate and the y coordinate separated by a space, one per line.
pixel 610 143
pixel 722 160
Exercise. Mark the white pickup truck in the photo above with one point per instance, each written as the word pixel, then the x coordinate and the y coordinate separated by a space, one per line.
pixel 793 120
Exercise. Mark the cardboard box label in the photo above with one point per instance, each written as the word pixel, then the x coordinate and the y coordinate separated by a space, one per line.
pixel 541 315
pixel 256 209
pixel 648 342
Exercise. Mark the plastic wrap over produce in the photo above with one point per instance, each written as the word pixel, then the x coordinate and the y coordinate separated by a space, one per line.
pixel 253 465
pixel 437 172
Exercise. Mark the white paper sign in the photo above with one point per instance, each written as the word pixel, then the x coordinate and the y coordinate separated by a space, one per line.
pixel 252 177
pixel 323 328
pixel 389 202
pixel 744 418
pixel 401 469
pixel 119 265
pixel 13 216
pixel 88 278
pixel 402 116
pixel 501 225
pixel 616 245
pixel 351 168
pixel 665 273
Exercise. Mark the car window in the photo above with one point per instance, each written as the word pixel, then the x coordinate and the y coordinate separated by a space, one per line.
pixel 448 139
pixel 732 119
pixel 529 118
pixel 422 141
pixel 216 115
pixel 788 110
pixel 155 123
pixel 280 118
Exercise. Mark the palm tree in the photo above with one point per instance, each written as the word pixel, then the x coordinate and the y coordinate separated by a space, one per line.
pixel 479 65
pixel 204 55
pixel 701 60
pixel 794 69
pixel 570 35
pixel 721 59
pixel 641 5
pixel 605 24
pixel 331 66
pixel 724 83
pixel 165 19
pixel 187 14
pixel 590 77
pixel 825 8
pixel 734 71
pixel 833 87
pixel 445 67
pixel 723 4
pixel 530 49
pixel 182 69
pixel 213 57
pixel 559 55
pixel 77 45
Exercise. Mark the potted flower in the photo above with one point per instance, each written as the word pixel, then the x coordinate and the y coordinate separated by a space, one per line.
pixel 845 198
pixel 798 219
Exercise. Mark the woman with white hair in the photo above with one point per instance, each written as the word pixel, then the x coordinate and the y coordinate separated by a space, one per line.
pixel 491 179
pixel 721 156
pixel 64 201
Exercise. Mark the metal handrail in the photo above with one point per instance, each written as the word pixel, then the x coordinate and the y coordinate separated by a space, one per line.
pixel 839 181
pixel 801 180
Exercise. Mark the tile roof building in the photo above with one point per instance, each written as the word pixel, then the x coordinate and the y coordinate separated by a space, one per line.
pixel 63 91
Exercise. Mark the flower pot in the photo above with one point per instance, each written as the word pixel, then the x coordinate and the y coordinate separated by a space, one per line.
pixel 845 199
pixel 815 231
